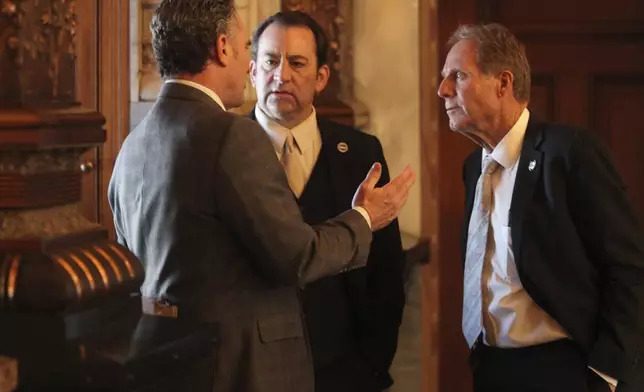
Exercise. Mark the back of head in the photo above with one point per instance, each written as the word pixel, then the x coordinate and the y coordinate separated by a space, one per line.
pixel 184 33
pixel 497 50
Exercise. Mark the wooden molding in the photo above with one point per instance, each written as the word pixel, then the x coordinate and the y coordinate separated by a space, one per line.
pixel 113 93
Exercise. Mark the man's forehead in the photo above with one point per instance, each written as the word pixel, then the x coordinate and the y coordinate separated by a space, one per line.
pixel 461 55
pixel 293 38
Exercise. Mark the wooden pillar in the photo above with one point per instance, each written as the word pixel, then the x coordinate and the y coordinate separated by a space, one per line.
pixel 52 258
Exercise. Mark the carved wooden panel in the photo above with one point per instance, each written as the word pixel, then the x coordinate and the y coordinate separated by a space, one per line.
pixel 334 16
pixel 38 51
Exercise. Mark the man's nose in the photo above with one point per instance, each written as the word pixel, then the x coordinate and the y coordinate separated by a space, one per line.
pixel 283 72
pixel 445 89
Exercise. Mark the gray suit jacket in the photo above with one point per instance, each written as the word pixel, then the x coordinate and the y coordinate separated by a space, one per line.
pixel 200 197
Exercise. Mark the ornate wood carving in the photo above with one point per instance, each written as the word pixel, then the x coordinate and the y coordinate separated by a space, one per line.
pixel 337 101
pixel 38 51
pixel 51 256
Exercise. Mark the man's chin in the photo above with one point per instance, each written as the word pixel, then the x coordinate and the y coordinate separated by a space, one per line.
pixel 234 104
pixel 281 110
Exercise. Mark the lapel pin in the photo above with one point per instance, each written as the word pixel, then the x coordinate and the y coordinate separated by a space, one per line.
pixel 343 147
pixel 532 165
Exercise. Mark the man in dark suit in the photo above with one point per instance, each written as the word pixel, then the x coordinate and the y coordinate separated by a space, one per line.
pixel 553 253
pixel 351 319
pixel 199 196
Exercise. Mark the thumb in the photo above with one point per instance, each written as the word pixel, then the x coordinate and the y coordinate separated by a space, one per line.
pixel 373 176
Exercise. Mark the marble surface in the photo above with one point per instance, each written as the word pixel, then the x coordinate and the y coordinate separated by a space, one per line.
pixel 47 161
pixel 44 222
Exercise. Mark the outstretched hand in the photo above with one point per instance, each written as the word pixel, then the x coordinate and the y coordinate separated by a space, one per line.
pixel 383 204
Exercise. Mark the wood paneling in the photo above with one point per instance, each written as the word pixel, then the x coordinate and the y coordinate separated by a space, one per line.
pixel 87 95
pixel 114 93
pixel 619 120
pixel 444 366
pixel 39 189
pixel 569 12
pixel 102 81
pixel 542 97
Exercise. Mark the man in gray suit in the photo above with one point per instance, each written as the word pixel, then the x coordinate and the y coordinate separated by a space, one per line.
pixel 199 196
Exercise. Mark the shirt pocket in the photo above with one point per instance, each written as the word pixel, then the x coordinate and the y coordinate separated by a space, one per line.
pixel 505 256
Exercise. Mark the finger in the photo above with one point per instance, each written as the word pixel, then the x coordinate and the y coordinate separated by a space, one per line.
pixel 404 179
pixel 411 180
pixel 373 176
pixel 400 178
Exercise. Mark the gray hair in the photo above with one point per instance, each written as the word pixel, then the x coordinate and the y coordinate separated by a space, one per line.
pixel 497 50
pixel 184 33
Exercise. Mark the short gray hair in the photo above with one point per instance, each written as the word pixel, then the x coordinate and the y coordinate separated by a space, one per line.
pixel 184 33
pixel 497 50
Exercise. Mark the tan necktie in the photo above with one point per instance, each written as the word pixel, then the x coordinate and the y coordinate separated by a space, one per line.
pixel 292 161
pixel 477 244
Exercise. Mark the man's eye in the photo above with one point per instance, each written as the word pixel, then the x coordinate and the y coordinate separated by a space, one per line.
pixel 460 75
pixel 271 62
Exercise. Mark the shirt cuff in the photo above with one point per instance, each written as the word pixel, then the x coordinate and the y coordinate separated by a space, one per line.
pixel 606 378
pixel 364 214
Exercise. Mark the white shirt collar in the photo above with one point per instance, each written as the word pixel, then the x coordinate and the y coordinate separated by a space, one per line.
pixel 200 87
pixel 304 133
pixel 507 152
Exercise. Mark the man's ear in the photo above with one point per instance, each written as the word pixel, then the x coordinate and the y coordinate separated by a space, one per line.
pixel 322 78
pixel 223 50
pixel 253 72
pixel 506 83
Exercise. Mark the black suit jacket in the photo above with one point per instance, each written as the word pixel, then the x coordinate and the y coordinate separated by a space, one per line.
pixel 579 249
pixel 376 292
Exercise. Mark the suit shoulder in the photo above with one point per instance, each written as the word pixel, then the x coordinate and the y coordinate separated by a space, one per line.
pixel 561 132
pixel 562 137
pixel 244 126
pixel 351 134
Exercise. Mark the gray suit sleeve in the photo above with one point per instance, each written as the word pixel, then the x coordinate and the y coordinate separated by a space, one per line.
pixel 253 197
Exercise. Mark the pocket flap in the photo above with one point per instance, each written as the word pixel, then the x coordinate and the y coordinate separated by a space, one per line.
pixel 280 326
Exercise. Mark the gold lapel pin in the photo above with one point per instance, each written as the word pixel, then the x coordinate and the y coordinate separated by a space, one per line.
pixel 343 147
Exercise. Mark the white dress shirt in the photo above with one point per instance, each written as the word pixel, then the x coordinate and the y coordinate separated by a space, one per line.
pixel 199 87
pixel 308 138
pixel 306 135
pixel 511 318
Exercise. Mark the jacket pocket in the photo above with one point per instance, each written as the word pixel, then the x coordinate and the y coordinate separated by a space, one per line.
pixel 279 326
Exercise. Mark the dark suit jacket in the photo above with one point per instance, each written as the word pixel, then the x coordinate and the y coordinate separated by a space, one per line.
pixel 376 293
pixel 200 197
pixel 579 249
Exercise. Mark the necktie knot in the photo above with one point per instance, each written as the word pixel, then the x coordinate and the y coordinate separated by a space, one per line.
pixel 291 159
pixel 290 145
pixel 489 165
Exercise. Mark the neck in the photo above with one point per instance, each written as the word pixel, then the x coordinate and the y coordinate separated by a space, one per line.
pixel 211 78
pixel 503 125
